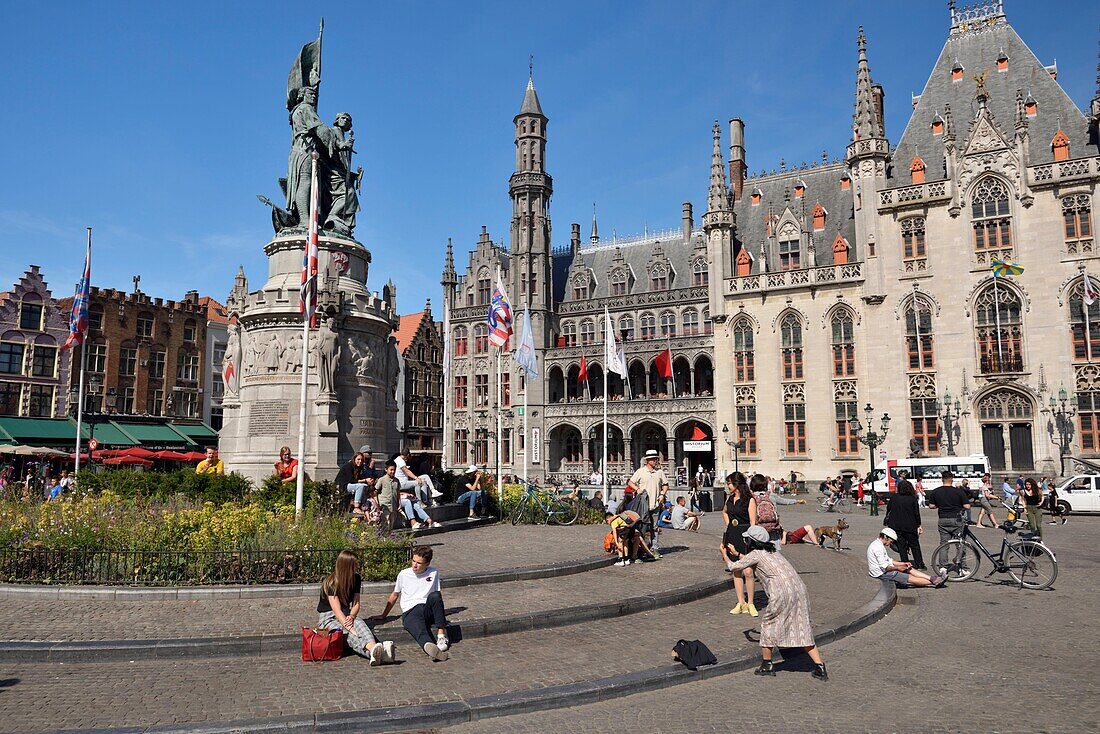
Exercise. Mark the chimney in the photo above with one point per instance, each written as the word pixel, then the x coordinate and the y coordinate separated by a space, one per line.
pixel 575 238
pixel 687 220
pixel 878 94
pixel 737 157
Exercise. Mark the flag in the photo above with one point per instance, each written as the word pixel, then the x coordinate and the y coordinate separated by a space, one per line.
pixel 525 351
pixel 919 304
pixel 308 295
pixel 78 318
pixel 583 374
pixel 1090 294
pixel 698 435
pixel 1000 268
pixel 500 317
pixel 613 355
pixel 664 363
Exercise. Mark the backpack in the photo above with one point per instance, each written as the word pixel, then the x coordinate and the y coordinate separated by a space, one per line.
pixel 609 542
pixel 766 514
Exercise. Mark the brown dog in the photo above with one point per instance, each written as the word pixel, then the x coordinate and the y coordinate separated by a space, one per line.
pixel 835 532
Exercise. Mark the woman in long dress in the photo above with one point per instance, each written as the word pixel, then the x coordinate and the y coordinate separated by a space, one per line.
pixel 785 622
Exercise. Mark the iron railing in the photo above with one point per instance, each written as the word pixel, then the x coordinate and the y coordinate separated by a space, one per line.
pixel 190 568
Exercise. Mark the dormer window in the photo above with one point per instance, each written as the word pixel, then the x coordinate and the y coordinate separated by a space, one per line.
pixel 754 197
pixel 618 283
pixel 744 263
pixel 799 188
pixel 700 274
pixel 840 250
pixel 819 214
pixel 957 71
pixel 916 169
pixel 937 125
pixel 658 278
pixel 1031 107
pixel 1060 146
pixel 1002 61
pixel 845 183
pixel 581 287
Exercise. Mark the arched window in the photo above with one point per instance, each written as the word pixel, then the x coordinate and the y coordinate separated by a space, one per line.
pixel 708 325
pixel 744 358
pixel 918 334
pixel 912 238
pixel 557 384
pixel 844 344
pixel 924 415
pixel 794 420
pixel 569 333
pixel 618 282
pixel 992 220
pixel 791 344
pixel 844 407
pixel 1086 348
pixel 649 326
pixel 484 287
pixel 581 287
pixel 481 338
pixel 462 341
pixel 572 449
pixel 999 330
pixel 1077 217
pixel 668 324
pixel 691 322
pixel 626 328
pixel 658 278
pixel 588 332
pixel 700 274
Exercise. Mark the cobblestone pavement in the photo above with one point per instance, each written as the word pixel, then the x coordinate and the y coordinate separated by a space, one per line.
pixel 40 697
pixel 975 657
pixel 694 562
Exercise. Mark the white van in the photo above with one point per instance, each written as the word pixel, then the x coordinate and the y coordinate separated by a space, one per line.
pixel 1080 493
pixel 928 470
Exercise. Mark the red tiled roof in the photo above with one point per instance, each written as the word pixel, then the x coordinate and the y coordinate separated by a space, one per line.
pixel 406 330
pixel 214 311
pixel 4 295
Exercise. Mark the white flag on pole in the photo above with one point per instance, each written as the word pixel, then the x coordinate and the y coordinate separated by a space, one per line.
pixel 613 356
pixel 1090 293
pixel 525 349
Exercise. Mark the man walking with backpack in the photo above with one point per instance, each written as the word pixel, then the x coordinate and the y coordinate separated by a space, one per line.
pixel 650 484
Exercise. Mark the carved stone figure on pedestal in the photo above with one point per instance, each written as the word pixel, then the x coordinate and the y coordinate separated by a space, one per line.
pixel 343 182
pixel 327 354
pixel 292 356
pixel 231 362
pixel 274 353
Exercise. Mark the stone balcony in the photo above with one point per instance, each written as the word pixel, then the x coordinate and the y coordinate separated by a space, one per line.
pixel 1051 174
pixel 915 195
pixel 795 279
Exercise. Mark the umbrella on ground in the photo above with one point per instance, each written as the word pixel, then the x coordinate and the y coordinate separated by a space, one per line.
pixel 127 461
pixel 139 452
pixel 170 456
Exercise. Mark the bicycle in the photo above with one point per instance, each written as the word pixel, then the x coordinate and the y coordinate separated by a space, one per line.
pixel 552 505
pixel 1027 560
pixel 841 504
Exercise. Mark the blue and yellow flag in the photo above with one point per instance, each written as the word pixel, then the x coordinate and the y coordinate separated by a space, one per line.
pixel 1000 268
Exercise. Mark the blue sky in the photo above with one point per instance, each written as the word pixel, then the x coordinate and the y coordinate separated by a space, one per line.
pixel 158 124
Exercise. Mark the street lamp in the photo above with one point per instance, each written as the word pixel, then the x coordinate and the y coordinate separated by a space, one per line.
pixel 872 440
pixel 738 445
pixel 950 422
pixel 1062 424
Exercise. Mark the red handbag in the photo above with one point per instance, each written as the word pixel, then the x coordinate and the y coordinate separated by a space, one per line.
pixel 321 644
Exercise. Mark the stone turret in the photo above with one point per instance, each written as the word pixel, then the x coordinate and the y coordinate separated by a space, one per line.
pixel 718 224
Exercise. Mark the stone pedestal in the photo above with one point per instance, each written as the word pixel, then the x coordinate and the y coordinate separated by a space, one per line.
pixel 265 345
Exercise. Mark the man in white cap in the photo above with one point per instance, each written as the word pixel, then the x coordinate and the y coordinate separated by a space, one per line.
pixel 881 566
pixel 651 479
pixel 473 495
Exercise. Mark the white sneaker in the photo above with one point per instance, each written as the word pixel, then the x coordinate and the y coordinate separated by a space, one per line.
pixel 389 651
pixel 442 642
pixel 436 494
pixel 621 562
pixel 375 655
pixel 434 652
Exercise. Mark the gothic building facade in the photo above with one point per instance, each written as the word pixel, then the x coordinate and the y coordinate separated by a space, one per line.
pixel 815 291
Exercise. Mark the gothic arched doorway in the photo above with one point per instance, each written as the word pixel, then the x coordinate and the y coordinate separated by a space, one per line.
pixel 645 436
pixel 1007 418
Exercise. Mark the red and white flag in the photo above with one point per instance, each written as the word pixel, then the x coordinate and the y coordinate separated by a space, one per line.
pixel 500 316
pixel 1090 293
pixel 308 296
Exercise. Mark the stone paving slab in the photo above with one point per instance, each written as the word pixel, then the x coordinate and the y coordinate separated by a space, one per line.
pixel 946 661
pixel 50 696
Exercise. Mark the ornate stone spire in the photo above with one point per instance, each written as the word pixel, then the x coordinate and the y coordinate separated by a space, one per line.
pixel 1095 108
pixel 450 277
pixel 718 197
pixel 594 238
pixel 866 123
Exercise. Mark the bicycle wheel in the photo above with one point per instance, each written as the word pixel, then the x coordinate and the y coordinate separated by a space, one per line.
pixel 517 511
pixel 956 560
pixel 1031 564
pixel 562 512
pixel 844 505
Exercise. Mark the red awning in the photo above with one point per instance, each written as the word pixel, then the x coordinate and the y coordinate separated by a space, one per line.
pixel 127 461
pixel 137 451
pixel 171 456
pixel 195 456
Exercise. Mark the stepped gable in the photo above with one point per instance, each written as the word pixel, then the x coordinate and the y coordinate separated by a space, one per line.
pixel 976 47
pixel 636 253
pixel 823 185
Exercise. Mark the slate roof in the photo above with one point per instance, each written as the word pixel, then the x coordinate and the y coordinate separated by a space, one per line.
pixel 531 104
pixel 777 194
pixel 978 52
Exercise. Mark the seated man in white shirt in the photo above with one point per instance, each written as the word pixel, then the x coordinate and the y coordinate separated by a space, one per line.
pixel 421 604
pixel 881 566
pixel 683 518
pixel 421 485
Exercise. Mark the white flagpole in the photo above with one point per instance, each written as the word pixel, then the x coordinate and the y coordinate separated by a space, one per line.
pixel 608 347
pixel 83 368
pixel 299 491
pixel 525 437
pixel 446 373
pixel 1088 328
pixel 500 425
pixel 916 319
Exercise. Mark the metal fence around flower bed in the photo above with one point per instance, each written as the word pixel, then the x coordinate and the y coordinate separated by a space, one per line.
pixel 189 568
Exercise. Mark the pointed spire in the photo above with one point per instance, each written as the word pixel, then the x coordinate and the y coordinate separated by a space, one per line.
pixel 866 123
pixel 718 194
pixel 1095 109
pixel 450 277
pixel 531 104
pixel 595 236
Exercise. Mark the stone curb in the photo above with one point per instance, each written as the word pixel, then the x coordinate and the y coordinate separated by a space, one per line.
pixel 452 713
pixel 275 591
pixel 27 651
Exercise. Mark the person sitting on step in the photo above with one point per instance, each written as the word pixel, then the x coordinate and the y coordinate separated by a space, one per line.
pixel 474 494
pixel 338 608
pixel 417 588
